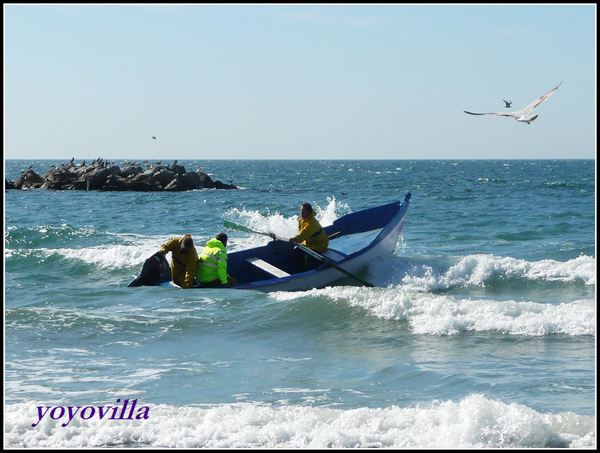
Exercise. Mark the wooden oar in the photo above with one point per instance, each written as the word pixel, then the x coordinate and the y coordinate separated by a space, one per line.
pixel 302 247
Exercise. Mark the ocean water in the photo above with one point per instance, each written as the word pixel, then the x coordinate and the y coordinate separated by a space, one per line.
pixel 481 332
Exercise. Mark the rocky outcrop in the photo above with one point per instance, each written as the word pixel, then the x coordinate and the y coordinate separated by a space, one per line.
pixel 107 176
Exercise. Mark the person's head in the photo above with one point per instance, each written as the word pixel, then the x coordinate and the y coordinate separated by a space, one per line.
pixel 222 237
pixel 187 244
pixel 306 210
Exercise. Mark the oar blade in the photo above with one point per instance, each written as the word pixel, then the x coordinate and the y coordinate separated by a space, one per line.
pixel 237 226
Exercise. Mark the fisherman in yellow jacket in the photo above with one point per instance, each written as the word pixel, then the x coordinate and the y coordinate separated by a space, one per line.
pixel 184 260
pixel 212 265
pixel 310 232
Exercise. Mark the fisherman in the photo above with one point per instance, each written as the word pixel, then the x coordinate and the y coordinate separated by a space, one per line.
pixel 212 265
pixel 310 232
pixel 184 260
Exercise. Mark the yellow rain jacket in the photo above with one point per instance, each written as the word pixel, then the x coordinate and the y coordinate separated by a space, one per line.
pixel 212 264
pixel 311 234
pixel 183 265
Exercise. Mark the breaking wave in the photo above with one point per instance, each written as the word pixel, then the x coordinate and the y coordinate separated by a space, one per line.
pixel 473 422
pixel 479 269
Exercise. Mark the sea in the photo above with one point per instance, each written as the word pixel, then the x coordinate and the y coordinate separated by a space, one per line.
pixel 480 331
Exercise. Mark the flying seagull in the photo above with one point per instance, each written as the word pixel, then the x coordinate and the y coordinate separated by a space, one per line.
pixel 522 116
pixel 153 137
pixel 508 104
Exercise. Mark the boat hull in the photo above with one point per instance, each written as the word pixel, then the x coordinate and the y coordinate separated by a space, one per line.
pixel 356 240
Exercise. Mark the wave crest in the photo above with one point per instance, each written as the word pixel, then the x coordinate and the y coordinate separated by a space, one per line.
pixel 476 270
pixel 473 422
pixel 435 314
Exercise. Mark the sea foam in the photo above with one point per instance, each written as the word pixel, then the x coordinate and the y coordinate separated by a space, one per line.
pixel 473 422
pixel 439 314
pixel 480 268
pixel 287 226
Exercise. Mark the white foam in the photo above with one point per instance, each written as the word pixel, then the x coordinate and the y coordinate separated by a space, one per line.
pixel 473 422
pixel 109 257
pixel 477 269
pixel 286 226
pixel 438 314
pixel 114 256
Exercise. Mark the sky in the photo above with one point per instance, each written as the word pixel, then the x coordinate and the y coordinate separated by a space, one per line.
pixel 297 81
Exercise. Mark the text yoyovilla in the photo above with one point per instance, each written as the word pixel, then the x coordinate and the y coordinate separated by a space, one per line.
pixel 123 412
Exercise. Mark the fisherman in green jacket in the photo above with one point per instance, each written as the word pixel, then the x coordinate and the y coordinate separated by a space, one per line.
pixel 310 232
pixel 212 264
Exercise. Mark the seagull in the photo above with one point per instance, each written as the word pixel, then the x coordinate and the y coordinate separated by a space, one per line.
pixel 153 137
pixel 522 116
pixel 508 104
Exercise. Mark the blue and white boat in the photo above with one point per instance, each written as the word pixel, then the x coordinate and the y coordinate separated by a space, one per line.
pixel 355 240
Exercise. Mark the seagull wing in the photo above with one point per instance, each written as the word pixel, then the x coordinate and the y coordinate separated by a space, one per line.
pixel 537 102
pixel 510 115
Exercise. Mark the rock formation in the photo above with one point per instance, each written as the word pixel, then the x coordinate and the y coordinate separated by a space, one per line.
pixel 107 176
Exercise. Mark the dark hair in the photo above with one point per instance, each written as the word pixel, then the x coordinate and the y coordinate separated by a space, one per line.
pixel 221 237
pixel 187 242
pixel 308 207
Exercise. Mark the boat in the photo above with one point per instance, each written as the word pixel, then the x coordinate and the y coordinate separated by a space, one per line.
pixel 355 240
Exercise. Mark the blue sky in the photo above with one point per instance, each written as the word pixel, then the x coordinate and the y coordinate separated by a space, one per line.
pixel 297 81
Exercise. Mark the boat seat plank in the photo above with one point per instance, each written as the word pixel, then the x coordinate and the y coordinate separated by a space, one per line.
pixel 269 268
pixel 334 255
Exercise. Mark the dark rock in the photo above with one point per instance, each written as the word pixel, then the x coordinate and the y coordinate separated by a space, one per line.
pixel 130 170
pixel 179 169
pixel 115 183
pixel 59 178
pixel 191 181
pixel 106 176
pixel 164 177
pixel 141 183
pixel 96 179
pixel 220 185
pixel 175 186
pixel 29 180
pixel 205 181
pixel 77 185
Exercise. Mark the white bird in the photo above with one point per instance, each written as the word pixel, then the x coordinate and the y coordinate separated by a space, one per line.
pixel 522 116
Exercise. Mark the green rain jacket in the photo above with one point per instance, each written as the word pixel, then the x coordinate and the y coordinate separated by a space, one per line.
pixel 212 263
